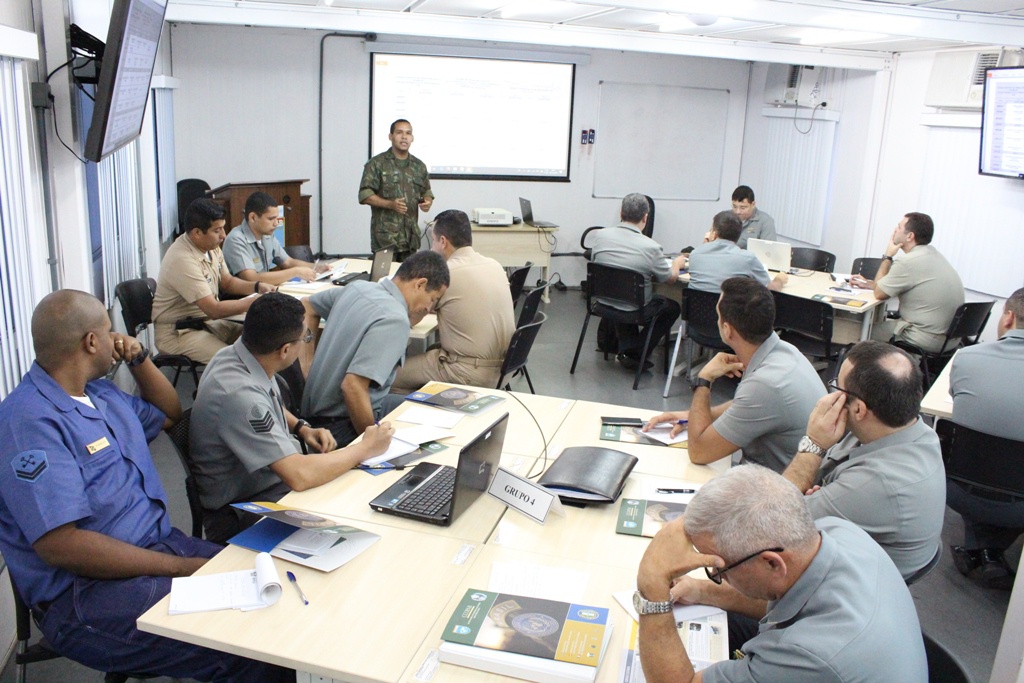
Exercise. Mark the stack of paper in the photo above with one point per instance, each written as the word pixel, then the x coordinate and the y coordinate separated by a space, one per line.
pixel 247 589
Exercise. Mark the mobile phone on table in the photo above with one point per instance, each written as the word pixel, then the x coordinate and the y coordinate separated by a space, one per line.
pixel 622 421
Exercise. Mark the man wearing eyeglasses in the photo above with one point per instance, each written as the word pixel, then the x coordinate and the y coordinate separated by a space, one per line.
pixel 243 439
pixel 869 458
pixel 831 605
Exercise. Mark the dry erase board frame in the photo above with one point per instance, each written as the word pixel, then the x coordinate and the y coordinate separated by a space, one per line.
pixel 665 141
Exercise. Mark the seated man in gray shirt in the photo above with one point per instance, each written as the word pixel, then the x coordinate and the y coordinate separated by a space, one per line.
pixel 985 381
pixel 253 253
pixel 366 330
pixel 777 391
pixel 719 258
pixel 869 458
pixel 756 223
pixel 243 439
pixel 832 606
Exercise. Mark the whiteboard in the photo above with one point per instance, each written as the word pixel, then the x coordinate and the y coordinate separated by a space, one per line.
pixel 665 141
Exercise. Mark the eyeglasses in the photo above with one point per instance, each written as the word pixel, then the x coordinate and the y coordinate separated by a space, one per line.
pixel 305 338
pixel 833 386
pixel 717 575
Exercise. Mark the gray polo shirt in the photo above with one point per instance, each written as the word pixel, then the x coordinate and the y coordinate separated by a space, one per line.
pixel 624 246
pixel 930 291
pixel 985 383
pixel 769 412
pixel 849 618
pixel 894 488
pixel 712 263
pixel 242 251
pixel 759 226
pixel 366 329
pixel 238 429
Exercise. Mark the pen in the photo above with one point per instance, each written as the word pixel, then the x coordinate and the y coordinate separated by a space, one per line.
pixel 833 277
pixel 317 263
pixel 681 422
pixel 676 490
pixel 302 596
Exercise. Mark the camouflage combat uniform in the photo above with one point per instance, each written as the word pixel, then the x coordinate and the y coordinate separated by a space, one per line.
pixel 390 178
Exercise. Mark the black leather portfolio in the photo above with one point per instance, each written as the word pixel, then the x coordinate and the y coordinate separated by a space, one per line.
pixel 588 474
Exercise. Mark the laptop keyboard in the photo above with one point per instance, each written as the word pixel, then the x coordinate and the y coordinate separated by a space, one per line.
pixel 431 497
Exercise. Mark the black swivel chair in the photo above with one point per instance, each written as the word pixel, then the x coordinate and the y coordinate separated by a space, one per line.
pixel 866 267
pixel 189 190
pixel 587 252
pixel 517 281
pixel 625 286
pixel 943 665
pixel 965 328
pixel 519 351
pixel 649 228
pixel 136 299
pixel 813 259
pixel 806 324
pixel 303 252
pixel 179 434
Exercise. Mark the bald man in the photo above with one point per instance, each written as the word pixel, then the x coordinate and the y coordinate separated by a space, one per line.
pixel 83 517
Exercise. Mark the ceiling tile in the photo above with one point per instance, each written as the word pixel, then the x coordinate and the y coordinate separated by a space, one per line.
pixel 985 6
pixel 460 8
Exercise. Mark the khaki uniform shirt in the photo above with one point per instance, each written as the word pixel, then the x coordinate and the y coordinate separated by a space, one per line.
pixel 475 317
pixel 186 276
pixel 390 178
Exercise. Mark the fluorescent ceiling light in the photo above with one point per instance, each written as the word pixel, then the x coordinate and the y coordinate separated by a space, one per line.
pixel 679 22
pixel 829 36
pixel 520 7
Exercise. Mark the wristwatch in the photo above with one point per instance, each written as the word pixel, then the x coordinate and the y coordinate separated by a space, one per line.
pixel 644 606
pixel 886 257
pixel 808 446
pixel 701 382
pixel 140 358
pixel 298 427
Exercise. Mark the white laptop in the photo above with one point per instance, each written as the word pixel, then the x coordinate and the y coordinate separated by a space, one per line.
pixel 774 255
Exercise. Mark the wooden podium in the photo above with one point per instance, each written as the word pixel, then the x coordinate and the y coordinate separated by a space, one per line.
pixel 288 193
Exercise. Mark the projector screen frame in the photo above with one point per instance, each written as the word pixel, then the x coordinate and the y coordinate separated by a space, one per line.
pixel 986 131
pixel 570 63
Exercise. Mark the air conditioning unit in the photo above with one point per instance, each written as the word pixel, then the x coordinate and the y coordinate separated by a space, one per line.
pixel 804 86
pixel 958 76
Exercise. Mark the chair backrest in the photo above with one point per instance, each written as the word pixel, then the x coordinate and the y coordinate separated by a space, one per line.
pixel 292 384
pixel 517 281
pixel 301 252
pixel 587 251
pixel 982 460
pixel 530 305
pixel 807 316
pixel 866 267
pixel 700 311
pixel 189 190
pixel 136 299
pixel 615 284
pixel 649 228
pixel 943 665
pixel 519 348
pixel 970 320
pixel 179 437
pixel 813 259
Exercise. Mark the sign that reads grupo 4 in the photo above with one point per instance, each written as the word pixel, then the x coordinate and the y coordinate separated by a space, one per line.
pixel 523 495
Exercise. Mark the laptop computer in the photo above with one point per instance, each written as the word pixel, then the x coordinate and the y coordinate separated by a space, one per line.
pixel 527 208
pixel 438 494
pixel 774 255
pixel 380 268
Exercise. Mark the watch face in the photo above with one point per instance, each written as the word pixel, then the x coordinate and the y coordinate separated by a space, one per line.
pixel 637 601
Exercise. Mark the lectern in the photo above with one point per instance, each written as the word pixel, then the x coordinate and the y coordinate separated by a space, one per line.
pixel 288 193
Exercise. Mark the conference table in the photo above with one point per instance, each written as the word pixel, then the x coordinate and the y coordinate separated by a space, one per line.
pixel 937 402
pixel 379 617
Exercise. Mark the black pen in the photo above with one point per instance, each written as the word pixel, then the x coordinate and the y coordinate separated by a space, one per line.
pixel 676 490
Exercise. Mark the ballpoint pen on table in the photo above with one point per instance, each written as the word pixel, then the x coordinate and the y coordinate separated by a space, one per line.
pixel 676 490
pixel 302 596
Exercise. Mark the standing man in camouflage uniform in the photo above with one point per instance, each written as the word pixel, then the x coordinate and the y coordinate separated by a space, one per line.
pixel 394 184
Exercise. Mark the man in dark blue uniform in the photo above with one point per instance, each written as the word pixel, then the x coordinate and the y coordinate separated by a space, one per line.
pixel 83 516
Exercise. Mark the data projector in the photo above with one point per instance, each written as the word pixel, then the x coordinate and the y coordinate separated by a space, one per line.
pixel 492 217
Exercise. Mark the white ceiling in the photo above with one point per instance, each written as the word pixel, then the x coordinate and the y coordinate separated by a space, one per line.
pixel 773 30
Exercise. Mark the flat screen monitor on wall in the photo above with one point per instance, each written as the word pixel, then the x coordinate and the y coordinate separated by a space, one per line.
pixel 1002 123
pixel 476 118
pixel 123 88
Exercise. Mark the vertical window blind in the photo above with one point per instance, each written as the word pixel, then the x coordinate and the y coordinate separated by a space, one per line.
pixel 162 104
pixel 120 213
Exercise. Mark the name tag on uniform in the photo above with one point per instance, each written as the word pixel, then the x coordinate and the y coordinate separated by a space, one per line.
pixel 97 445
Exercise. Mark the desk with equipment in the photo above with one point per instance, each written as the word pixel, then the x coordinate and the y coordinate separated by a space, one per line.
pixel 514 245
pixel 379 617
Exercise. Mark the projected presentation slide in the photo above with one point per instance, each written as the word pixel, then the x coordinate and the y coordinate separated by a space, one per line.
pixel 1002 123
pixel 476 118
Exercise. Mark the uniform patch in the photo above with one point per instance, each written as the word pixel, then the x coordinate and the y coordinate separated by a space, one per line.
pixel 30 465
pixel 260 419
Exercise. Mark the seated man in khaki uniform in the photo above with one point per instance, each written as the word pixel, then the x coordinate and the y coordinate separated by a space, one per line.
pixel 192 277
pixel 475 317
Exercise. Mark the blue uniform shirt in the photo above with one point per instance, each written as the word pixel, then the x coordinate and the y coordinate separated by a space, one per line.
pixel 62 461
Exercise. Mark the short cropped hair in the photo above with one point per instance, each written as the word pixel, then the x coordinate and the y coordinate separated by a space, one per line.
pixel 1015 304
pixel 750 508
pixel 727 226
pixel 887 380
pixel 921 225
pixel 201 214
pixel 634 207
pixel 259 203
pixel 396 122
pixel 749 307
pixel 425 264
pixel 743 193
pixel 272 321
pixel 454 225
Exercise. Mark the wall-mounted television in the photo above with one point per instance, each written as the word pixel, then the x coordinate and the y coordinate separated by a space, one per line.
pixel 476 118
pixel 123 88
pixel 1002 123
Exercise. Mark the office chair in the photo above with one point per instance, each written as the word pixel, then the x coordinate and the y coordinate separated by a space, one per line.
pixel 806 324
pixel 700 326
pixel 530 305
pixel 517 281
pixel 649 228
pixel 587 251
pixel 982 461
pixel 136 299
pixel 943 665
pixel 303 252
pixel 519 351
pixel 179 434
pixel 813 259
pixel 189 190
pixel 866 267
pixel 964 329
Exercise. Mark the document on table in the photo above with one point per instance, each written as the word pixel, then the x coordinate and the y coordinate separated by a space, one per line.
pixel 245 590
pixel 435 417
pixel 660 432
pixel 407 440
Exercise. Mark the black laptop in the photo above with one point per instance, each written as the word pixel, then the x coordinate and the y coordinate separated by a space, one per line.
pixel 438 494
pixel 380 268
pixel 527 209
